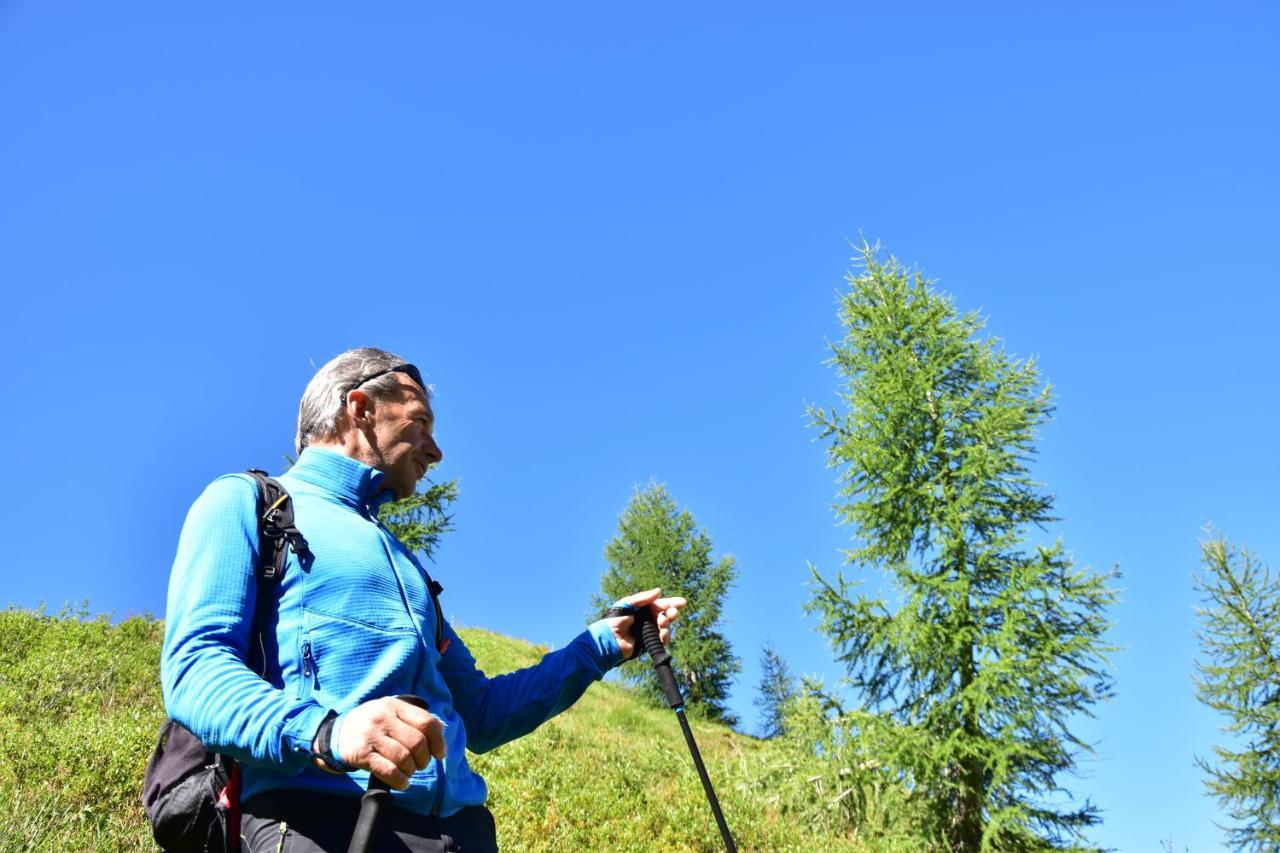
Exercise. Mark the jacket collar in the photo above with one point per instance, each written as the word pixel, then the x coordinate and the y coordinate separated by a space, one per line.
pixel 350 480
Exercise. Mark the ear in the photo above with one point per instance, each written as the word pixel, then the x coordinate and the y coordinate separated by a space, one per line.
pixel 359 408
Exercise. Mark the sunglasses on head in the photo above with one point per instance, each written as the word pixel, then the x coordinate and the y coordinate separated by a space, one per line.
pixel 407 369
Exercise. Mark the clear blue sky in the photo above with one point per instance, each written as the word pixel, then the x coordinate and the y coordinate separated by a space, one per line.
pixel 613 238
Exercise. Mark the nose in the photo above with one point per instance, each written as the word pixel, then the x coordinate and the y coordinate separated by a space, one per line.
pixel 433 450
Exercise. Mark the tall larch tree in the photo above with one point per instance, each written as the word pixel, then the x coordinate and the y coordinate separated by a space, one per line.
pixel 1238 675
pixel 985 647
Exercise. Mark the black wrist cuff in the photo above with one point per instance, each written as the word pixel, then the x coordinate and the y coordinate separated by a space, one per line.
pixel 324 749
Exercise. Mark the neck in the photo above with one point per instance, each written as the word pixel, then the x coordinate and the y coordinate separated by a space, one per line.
pixel 352 443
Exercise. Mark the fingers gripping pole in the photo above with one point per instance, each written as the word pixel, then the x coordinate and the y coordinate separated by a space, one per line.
pixel 662 666
pixel 375 800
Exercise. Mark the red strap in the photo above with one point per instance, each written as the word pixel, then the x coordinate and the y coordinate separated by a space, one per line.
pixel 229 801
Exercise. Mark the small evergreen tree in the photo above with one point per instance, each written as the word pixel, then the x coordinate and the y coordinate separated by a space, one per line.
pixel 776 692
pixel 419 520
pixel 658 545
pixel 986 648
pixel 1238 675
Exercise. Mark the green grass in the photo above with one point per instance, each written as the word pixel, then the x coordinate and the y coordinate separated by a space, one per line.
pixel 79 709
pixel 80 705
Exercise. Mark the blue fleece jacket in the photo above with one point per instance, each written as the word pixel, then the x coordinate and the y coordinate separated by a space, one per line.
pixel 354 622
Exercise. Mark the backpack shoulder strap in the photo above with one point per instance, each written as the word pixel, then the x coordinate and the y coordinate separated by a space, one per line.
pixel 434 587
pixel 276 530
pixel 276 535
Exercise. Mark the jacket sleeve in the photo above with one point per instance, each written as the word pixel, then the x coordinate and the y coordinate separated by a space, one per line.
pixel 209 624
pixel 500 709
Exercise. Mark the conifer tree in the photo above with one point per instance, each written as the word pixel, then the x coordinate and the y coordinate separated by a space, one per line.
pixel 986 646
pixel 775 693
pixel 1238 675
pixel 658 545
pixel 419 520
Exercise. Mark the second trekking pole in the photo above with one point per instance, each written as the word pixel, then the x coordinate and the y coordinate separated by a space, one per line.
pixel 648 631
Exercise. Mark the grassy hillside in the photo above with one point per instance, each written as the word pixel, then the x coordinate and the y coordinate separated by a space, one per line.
pixel 80 706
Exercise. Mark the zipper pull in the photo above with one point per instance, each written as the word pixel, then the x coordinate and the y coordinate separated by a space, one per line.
pixel 306 659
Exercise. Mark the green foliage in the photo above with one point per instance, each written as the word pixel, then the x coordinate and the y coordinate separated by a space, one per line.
pixel 829 773
pixel 421 519
pixel 1239 677
pixel 79 710
pixel 775 693
pixel 80 707
pixel 986 649
pixel 658 545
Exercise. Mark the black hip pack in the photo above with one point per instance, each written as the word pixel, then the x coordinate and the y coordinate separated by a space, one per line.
pixel 190 793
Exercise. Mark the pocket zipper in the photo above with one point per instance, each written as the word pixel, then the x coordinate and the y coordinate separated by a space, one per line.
pixel 310 671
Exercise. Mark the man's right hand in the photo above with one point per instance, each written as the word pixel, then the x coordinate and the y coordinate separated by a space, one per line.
pixel 391 739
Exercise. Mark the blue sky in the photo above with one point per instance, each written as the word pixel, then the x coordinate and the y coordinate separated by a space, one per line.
pixel 613 238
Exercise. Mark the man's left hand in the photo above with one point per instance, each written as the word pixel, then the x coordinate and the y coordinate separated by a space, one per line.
pixel 665 611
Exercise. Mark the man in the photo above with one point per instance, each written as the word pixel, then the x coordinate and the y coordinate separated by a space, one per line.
pixel 355 624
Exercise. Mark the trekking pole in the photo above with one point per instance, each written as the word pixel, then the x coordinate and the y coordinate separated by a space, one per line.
pixel 662 666
pixel 375 800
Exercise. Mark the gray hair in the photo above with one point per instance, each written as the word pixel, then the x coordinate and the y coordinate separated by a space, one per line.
pixel 326 393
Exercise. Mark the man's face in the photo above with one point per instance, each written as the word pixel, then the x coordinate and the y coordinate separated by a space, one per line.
pixel 405 446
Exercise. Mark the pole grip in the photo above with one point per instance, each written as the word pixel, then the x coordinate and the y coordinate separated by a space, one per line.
pixel 652 642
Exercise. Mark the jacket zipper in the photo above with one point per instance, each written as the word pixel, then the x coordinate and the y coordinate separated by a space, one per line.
pixel 417 626
pixel 384 534
pixel 308 667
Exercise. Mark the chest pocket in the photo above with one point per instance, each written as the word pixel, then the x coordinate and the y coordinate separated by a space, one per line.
pixel 356 579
